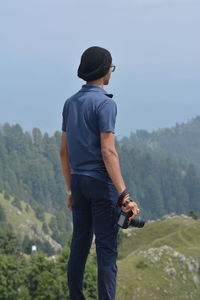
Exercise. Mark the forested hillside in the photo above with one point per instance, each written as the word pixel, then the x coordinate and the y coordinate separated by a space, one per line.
pixel 30 166
pixel 30 171
pixel 32 211
pixel 160 185
pixel 30 226
pixel 181 141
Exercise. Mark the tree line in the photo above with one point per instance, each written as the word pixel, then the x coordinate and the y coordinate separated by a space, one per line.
pixel 181 141
pixel 36 276
pixel 30 170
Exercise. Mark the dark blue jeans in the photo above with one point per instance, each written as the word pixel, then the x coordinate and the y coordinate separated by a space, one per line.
pixel 94 210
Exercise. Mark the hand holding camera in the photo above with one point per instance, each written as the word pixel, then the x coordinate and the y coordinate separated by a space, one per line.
pixel 127 204
pixel 129 211
pixel 130 205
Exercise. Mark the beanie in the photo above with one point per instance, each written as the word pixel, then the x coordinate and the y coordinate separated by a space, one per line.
pixel 95 63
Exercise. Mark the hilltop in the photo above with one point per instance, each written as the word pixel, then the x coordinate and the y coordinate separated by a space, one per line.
pixel 161 260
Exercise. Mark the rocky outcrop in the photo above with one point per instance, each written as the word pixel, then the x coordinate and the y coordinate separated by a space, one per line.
pixel 188 266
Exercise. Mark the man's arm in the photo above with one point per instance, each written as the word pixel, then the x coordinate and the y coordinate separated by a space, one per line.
pixel 111 160
pixel 64 157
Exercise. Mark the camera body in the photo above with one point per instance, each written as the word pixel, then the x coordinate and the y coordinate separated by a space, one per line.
pixel 124 222
pixel 123 219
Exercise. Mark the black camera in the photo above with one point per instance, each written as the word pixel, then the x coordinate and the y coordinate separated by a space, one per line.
pixel 124 222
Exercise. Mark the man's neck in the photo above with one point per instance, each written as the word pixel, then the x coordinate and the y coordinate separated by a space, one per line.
pixel 97 82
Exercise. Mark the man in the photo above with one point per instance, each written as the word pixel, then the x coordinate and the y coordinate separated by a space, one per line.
pixel 92 173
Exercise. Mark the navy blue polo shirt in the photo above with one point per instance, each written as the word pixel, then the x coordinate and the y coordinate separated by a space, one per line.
pixel 85 115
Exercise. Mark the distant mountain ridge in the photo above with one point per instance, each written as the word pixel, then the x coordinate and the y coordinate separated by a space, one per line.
pixel 181 141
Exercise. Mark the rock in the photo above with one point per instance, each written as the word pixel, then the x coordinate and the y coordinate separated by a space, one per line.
pixel 173 215
pixel 139 277
pixel 171 271
pixel 154 254
pixel 128 234
pixel 196 280
pixel 188 264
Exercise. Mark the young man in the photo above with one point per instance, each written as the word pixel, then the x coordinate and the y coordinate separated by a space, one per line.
pixel 92 173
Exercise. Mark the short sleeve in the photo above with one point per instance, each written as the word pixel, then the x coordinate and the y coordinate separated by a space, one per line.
pixel 107 113
pixel 64 118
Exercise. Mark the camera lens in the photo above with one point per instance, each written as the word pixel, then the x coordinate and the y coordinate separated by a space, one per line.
pixel 137 222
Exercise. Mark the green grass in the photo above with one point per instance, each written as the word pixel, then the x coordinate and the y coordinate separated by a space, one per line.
pixel 152 282
pixel 23 221
pixel 179 233
pixel 140 278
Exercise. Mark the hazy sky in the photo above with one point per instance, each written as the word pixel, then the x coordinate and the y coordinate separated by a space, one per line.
pixel 154 43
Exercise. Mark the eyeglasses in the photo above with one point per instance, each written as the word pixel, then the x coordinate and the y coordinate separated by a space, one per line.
pixel 113 68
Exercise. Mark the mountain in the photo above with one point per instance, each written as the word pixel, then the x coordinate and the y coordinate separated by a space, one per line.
pixel 161 260
pixel 26 225
pixel 159 184
pixel 181 141
pixel 30 166
pixel 30 171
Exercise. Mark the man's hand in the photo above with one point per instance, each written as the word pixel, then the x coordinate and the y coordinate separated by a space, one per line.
pixel 69 202
pixel 130 206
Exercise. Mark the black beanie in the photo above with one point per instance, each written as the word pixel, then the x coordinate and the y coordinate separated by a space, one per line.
pixel 95 63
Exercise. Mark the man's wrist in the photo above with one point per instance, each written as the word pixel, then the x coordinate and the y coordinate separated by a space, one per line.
pixel 68 192
pixel 120 191
pixel 122 196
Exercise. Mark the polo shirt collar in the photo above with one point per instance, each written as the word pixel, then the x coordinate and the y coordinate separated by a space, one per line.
pixel 94 88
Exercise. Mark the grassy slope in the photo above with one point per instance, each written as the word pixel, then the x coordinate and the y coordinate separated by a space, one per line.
pixel 25 221
pixel 140 277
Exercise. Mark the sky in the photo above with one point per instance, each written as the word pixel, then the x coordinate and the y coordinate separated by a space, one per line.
pixel 155 46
